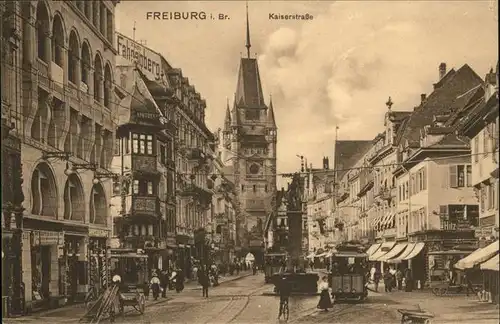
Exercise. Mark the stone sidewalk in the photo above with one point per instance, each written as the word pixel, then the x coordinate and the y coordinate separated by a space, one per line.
pixel 71 313
pixel 446 309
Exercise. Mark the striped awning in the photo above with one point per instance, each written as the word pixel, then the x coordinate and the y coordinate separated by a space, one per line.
pixel 492 264
pixel 396 250
pixel 376 221
pixel 385 248
pixel 478 256
pixel 372 249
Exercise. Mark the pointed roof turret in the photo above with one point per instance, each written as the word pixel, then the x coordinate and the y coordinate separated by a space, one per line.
pixel 234 114
pixel 227 120
pixel 249 88
pixel 270 114
pixel 248 45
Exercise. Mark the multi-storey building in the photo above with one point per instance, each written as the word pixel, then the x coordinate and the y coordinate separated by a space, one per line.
pixel 225 207
pixel 250 137
pixel 143 200
pixel 63 115
pixel 12 192
pixel 276 227
pixel 481 126
pixel 320 202
pixel 347 155
pixel 194 155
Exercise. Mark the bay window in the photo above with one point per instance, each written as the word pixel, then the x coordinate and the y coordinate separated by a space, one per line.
pixel 142 144
pixel 144 187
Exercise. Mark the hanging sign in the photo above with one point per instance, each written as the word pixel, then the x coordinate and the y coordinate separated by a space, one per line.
pixel 98 232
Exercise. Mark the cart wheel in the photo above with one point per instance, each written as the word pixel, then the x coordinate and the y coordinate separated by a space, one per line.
pixel 442 291
pixel 435 291
pixel 141 304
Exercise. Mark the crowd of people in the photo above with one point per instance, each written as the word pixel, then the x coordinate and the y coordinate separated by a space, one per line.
pixel 393 278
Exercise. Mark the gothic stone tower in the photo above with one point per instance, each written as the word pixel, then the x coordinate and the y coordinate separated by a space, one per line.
pixel 250 137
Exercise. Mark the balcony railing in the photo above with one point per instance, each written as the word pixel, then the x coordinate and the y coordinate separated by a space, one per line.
pixel 145 205
pixel 144 163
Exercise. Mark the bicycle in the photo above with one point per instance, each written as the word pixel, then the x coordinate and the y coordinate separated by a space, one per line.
pixel 284 310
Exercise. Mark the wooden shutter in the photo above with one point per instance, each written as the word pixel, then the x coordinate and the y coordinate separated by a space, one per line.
pixel 443 211
pixel 424 178
pixel 453 176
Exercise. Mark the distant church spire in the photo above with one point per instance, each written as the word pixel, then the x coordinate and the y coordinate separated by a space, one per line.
pixel 248 45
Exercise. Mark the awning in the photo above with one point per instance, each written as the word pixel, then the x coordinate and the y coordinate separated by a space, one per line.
pixel 491 264
pixel 388 221
pixel 385 218
pixel 376 221
pixel 396 250
pixel 386 247
pixel 372 249
pixel 348 254
pixel 416 250
pixel 478 256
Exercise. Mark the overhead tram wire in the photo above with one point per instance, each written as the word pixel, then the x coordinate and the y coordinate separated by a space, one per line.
pixel 117 104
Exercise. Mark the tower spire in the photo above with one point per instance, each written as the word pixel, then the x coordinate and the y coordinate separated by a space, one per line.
pixel 248 45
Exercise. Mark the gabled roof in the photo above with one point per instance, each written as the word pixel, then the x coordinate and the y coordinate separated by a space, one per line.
pixel 442 101
pixel 474 122
pixel 347 153
pixel 451 140
pixel 138 99
pixel 249 89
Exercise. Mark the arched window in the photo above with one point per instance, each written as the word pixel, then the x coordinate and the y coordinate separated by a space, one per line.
pixel 57 41
pixel 73 56
pixel 74 208
pixel 42 29
pixel 107 85
pixel 85 63
pixel 98 210
pixel 97 79
pixel 218 230
pixel 43 192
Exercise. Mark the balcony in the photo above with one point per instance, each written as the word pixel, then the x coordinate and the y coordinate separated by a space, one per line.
pixel 387 193
pixel 43 73
pixel 57 78
pixel 145 205
pixel 195 154
pixel 144 163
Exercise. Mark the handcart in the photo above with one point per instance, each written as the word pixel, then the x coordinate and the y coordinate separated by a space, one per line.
pixel 415 316
pixel 132 295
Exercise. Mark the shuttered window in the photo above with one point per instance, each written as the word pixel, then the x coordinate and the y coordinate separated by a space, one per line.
pixel 453 176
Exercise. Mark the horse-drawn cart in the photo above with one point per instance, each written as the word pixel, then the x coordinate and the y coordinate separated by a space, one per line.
pixel 131 295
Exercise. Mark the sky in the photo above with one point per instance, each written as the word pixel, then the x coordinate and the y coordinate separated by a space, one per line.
pixel 337 69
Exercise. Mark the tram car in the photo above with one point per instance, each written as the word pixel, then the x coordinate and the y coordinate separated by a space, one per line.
pixel 273 263
pixel 347 276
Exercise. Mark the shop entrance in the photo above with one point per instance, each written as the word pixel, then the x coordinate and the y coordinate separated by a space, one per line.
pixel 40 267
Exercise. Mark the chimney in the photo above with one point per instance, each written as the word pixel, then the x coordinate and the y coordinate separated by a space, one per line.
pixel 442 70
pixel 423 96
pixel 325 163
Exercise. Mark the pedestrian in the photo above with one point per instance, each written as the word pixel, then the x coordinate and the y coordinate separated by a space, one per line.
pixel 373 270
pixel 408 280
pixel 254 269
pixel 399 279
pixel 204 281
pixel 376 278
pixel 392 271
pixel 155 286
pixel 179 281
pixel 164 283
pixel 324 300
pixel 387 281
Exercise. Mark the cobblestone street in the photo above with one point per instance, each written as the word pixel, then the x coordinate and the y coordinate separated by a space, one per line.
pixel 247 300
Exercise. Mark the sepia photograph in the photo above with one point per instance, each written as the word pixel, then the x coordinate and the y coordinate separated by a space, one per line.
pixel 241 162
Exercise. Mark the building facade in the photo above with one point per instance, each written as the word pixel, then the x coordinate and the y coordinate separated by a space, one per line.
pixel 481 127
pixel 250 138
pixel 12 193
pixel 64 62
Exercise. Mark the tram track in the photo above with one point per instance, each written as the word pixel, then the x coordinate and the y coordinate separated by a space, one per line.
pixel 235 306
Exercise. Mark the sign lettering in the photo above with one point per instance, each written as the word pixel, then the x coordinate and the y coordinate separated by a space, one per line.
pixel 148 60
pixel 98 233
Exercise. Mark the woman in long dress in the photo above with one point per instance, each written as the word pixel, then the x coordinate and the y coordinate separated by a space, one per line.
pixel 324 300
